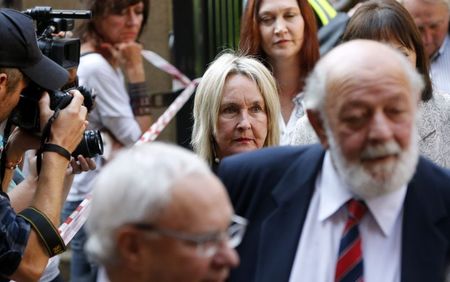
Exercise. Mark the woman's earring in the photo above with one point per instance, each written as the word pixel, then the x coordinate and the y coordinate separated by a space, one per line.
pixel 216 158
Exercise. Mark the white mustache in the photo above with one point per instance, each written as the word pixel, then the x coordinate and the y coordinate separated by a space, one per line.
pixel 382 150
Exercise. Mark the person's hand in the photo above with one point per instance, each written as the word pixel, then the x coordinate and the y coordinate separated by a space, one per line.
pixel 68 128
pixel 130 54
pixel 129 58
pixel 80 164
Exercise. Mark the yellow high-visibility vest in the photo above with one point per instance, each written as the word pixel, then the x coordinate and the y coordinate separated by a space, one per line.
pixel 324 10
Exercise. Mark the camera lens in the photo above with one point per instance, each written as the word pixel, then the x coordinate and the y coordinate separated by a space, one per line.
pixel 91 145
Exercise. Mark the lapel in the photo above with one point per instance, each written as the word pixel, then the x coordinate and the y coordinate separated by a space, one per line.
pixel 280 232
pixel 424 245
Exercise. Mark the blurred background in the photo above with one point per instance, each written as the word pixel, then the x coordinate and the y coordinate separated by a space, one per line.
pixel 187 33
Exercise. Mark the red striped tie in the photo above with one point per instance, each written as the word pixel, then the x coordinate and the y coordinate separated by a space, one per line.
pixel 349 267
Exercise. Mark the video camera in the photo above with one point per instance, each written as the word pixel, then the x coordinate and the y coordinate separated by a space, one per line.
pixel 66 53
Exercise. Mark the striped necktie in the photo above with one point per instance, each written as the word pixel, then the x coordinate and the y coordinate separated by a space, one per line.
pixel 349 267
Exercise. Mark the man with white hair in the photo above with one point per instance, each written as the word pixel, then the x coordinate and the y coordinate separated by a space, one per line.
pixel 432 18
pixel 159 214
pixel 362 206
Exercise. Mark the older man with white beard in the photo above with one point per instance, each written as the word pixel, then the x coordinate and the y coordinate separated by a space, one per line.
pixel 362 206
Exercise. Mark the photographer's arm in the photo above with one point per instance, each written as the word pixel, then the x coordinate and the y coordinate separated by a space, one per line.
pixel 22 195
pixel 66 132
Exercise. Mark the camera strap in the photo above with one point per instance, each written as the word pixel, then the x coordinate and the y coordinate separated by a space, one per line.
pixel 45 229
pixel 47 147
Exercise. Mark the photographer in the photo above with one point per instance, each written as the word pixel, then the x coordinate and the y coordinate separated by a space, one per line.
pixel 24 251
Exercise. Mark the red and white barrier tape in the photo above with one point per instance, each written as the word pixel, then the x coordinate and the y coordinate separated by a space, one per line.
pixel 165 66
pixel 77 219
pixel 153 132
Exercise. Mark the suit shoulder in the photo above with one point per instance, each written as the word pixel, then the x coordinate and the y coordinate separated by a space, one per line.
pixel 433 178
pixel 274 157
pixel 250 177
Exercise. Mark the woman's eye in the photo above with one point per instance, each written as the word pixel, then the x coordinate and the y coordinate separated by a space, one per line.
pixel 266 20
pixel 256 109
pixel 229 110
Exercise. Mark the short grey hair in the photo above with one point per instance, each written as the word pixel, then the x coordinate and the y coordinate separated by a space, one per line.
pixel 316 88
pixel 209 96
pixel 135 186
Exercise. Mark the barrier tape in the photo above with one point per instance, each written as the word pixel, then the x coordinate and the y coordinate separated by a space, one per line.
pixel 165 66
pixel 77 219
pixel 153 132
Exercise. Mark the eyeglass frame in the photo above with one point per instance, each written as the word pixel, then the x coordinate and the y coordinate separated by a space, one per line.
pixel 232 236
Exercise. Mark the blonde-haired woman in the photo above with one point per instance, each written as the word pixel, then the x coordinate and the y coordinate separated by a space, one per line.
pixel 236 108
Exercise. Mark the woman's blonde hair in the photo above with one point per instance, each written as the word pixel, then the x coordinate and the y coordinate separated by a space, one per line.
pixel 209 96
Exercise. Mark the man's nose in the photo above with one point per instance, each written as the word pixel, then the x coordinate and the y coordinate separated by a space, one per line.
pixel 380 129
pixel 427 35
pixel 227 256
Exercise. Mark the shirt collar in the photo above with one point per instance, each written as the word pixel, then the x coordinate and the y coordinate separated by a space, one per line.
pixel 441 49
pixel 334 193
pixel 298 99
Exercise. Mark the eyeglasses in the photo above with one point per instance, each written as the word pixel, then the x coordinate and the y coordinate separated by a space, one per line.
pixel 207 244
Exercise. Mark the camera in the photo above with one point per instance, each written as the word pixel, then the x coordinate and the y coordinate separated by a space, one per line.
pixel 26 116
pixel 66 53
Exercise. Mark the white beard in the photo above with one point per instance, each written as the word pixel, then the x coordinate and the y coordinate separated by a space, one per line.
pixel 381 179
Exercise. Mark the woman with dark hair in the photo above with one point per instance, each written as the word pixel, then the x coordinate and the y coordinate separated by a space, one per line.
pixel 111 63
pixel 389 22
pixel 283 34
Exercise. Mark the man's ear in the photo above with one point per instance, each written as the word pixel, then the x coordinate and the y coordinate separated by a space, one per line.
pixel 129 247
pixel 3 81
pixel 317 123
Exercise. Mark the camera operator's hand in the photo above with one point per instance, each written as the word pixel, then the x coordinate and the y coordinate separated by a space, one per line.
pixel 68 128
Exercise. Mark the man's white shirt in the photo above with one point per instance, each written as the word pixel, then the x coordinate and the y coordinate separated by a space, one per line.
pixel 380 231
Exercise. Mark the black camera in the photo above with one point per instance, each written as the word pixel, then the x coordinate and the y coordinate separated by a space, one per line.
pixel 26 116
pixel 65 52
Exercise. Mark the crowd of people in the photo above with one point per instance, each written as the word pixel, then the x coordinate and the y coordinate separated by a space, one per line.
pixel 306 167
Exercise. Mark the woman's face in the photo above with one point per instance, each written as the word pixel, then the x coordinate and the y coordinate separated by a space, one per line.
pixel 281 26
pixel 409 54
pixel 123 26
pixel 242 122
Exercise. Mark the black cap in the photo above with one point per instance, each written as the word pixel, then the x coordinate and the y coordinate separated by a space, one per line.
pixel 19 49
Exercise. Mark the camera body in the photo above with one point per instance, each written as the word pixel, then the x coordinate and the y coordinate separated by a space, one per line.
pixel 65 52
pixel 26 113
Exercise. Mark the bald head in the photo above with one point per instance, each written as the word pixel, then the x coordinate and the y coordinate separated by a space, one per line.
pixel 357 61
pixel 361 100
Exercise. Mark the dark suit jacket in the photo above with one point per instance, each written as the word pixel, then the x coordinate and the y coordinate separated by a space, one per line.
pixel 273 187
